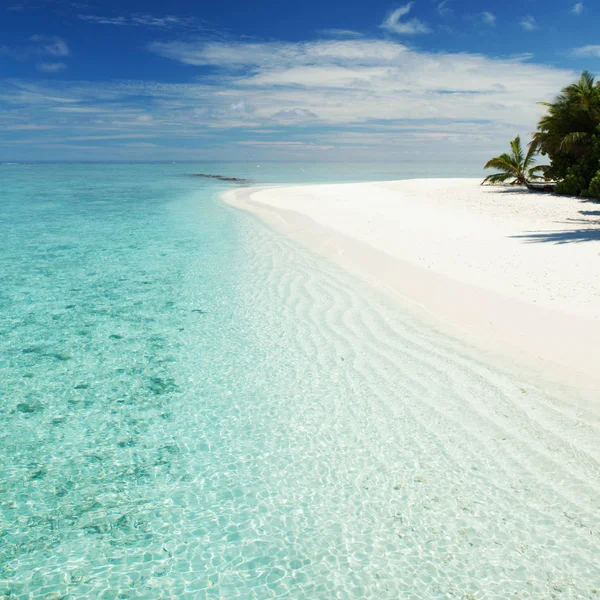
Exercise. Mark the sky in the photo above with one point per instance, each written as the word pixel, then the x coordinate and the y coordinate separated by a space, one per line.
pixel 333 80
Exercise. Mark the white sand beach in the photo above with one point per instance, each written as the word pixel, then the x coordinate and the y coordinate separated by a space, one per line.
pixel 511 271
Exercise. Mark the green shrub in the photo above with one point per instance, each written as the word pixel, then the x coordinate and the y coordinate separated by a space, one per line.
pixel 573 183
pixel 593 190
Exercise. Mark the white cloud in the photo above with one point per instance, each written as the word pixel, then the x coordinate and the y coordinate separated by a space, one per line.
pixel 444 10
pixel 488 18
pixel 295 115
pixel 528 23
pixel 394 23
pixel 279 54
pixel 578 8
pixel 59 146
pixel 343 83
pixel 240 106
pixel 51 45
pixel 338 83
pixel 44 45
pixel 25 94
pixel 79 109
pixel 324 76
pixel 359 81
pixel 150 21
pixel 586 51
pixel 119 136
pixel 141 145
pixel 104 20
pixel 28 127
pixel 343 33
pixel 51 67
pixel 372 94
pixel 146 20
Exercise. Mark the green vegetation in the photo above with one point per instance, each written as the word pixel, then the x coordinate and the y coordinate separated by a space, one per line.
pixel 569 135
pixel 515 166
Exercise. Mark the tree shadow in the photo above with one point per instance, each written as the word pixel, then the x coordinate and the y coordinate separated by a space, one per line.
pixel 509 189
pixel 590 233
pixel 566 236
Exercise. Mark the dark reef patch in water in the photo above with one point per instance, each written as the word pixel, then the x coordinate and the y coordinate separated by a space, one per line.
pixel 32 350
pixel 38 474
pixel 159 385
pixel 29 407
pixel 62 356
pixel 221 178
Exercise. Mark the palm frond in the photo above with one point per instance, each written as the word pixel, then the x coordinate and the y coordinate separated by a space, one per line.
pixel 497 178
pixel 538 168
pixel 531 153
pixel 532 174
pixel 582 86
pixel 517 149
pixel 569 141
pixel 502 163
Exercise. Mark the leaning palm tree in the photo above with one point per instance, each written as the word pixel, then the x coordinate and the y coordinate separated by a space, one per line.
pixel 516 166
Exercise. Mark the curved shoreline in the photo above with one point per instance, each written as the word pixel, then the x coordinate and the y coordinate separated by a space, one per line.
pixel 353 224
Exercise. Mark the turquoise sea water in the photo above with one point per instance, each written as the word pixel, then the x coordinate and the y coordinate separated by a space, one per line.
pixel 192 406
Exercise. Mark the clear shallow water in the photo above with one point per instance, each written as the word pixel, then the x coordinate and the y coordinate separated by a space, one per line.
pixel 194 407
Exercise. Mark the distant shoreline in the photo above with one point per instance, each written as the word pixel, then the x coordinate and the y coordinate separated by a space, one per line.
pixel 504 269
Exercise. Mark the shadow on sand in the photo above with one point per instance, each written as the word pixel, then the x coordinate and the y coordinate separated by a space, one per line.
pixel 577 230
pixel 507 189
pixel 589 233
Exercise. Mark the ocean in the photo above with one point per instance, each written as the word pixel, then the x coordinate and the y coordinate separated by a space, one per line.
pixel 193 406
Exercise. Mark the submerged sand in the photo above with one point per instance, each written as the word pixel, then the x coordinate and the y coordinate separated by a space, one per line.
pixel 511 271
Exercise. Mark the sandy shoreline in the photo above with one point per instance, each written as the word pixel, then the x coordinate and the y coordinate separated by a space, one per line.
pixel 507 270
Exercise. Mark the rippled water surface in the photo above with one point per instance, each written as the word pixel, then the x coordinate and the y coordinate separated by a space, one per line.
pixel 194 407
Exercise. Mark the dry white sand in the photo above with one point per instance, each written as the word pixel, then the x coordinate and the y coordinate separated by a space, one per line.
pixel 515 272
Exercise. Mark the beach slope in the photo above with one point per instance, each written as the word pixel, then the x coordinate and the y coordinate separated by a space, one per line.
pixel 511 271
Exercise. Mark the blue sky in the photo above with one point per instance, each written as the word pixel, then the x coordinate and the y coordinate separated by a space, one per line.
pixel 269 79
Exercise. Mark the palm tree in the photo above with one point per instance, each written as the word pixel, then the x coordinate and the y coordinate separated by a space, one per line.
pixel 583 90
pixel 571 120
pixel 515 166
pixel 569 135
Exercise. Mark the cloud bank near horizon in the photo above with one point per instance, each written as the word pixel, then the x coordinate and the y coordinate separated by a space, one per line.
pixel 341 97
